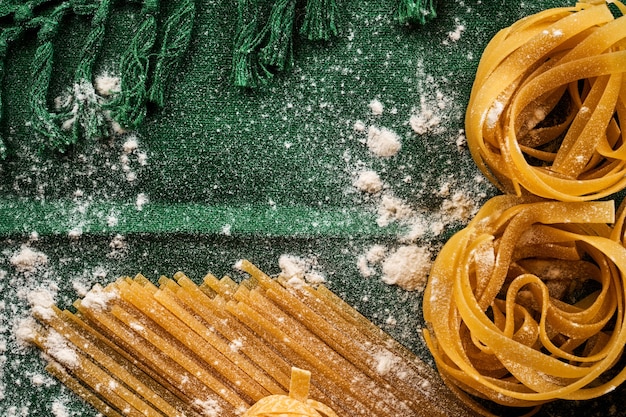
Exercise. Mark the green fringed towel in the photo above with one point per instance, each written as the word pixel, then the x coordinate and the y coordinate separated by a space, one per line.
pixel 417 11
pixel 263 48
pixel 93 108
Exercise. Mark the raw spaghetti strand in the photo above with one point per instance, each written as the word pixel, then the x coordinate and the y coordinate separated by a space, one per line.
pixel 526 304
pixel 547 105
pixel 222 347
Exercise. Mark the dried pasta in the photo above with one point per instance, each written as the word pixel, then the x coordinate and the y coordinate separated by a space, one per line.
pixel 526 304
pixel 548 102
pixel 224 349
pixel 296 404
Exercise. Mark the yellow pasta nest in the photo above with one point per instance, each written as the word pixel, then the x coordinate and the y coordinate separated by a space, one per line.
pixel 548 102
pixel 222 349
pixel 526 304
pixel 296 404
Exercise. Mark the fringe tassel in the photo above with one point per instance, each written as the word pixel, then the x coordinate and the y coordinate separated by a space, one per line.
pixel 175 42
pixel 319 20
pixel 45 122
pixel 86 114
pixel 6 36
pixel 278 51
pixel 248 71
pixel 417 11
pixel 259 51
pixel 129 106
pixel 3 50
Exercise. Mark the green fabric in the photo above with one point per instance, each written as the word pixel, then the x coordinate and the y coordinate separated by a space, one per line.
pixel 232 172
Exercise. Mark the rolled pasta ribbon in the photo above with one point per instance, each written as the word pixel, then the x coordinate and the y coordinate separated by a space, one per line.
pixel 547 104
pixel 296 404
pixel 526 304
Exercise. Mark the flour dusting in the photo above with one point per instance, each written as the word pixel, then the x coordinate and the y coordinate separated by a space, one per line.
pixel 376 107
pixel 28 260
pixel 209 408
pixel 383 142
pixel 61 350
pixel 298 271
pixel 369 181
pixel 407 267
pixel 98 298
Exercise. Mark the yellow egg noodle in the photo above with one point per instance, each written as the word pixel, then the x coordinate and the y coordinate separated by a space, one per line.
pixel 215 349
pixel 296 404
pixel 526 304
pixel 548 101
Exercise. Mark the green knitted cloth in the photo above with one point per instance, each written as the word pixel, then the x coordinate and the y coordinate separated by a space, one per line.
pixel 146 136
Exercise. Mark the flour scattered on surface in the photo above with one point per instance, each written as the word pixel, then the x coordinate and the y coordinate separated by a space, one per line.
pixel 235 345
pixel 298 271
pixel 107 84
pixel 461 139
pixel 455 35
pixel 376 107
pixel 494 113
pixel 369 181
pixel 376 253
pixel 59 409
pixel 425 119
pixel 112 220
pixel 142 200
pixel 25 330
pixel 130 145
pixel 118 247
pixel 359 126
pixel 131 155
pixel 365 269
pixel 366 262
pixel 75 233
pixel 383 142
pixel 418 227
pixel 385 362
pixel 392 208
pixel 459 207
pixel 438 106
pixel 41 301
pixel 407 267
pixel 209 408
pixel 28 260
pixel 98 298
pixel 61 350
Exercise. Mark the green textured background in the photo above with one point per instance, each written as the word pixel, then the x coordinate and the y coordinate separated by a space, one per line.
pixel 274 164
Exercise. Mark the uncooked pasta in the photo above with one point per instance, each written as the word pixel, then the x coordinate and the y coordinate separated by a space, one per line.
pixel 222 348
pixel 526 304
pixel 548 103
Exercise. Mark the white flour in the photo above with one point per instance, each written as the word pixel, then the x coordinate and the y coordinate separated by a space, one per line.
pixel 369 181
pixel 383 142
pixel 407 267
pixel 28 260
pixel 298 271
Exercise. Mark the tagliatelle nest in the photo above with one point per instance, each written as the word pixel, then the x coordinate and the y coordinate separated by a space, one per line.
pixel 527 304
pixel 296 404
pixel 548 105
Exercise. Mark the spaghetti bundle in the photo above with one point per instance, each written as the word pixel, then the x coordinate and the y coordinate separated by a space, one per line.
pixel 526 304
pixel 548 103
pixel 224 349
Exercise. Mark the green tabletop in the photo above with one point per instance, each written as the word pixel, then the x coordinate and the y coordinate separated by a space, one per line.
pixel 222 172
